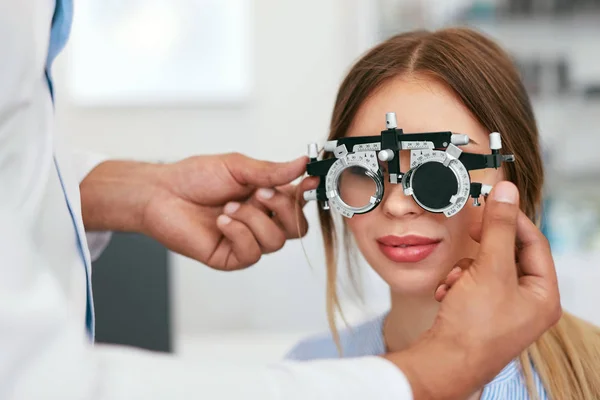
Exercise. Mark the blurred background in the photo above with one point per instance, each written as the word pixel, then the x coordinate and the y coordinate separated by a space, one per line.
pixel 159 80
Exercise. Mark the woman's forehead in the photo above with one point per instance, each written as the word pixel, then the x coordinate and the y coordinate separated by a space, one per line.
pixel 421 104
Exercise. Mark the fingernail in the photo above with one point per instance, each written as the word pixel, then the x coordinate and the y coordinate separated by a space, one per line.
pixel 230 208
pixel 505 192
pixel 223 220
pixel 265 193
pixel 455 269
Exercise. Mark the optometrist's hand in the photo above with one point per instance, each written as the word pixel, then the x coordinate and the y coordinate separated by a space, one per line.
pixel 222 210
pixel 489 313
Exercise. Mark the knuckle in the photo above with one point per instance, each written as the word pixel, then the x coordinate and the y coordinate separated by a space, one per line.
pixel 255 256
pixel 304 227
pixel 556 313
pixel 279 244
pixel 234 157
pixel 234 267
pixel 251 255
pixel 278 241
pixel 548 301
pixel 299 230
pixel 544 241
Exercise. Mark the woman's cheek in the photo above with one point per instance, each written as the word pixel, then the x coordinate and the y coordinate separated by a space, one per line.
pixel 358 226
pixel 353 225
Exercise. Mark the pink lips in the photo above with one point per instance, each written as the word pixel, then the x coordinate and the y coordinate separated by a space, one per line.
pixel 407 249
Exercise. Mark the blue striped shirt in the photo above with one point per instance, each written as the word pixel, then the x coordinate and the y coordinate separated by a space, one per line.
pixel 366 339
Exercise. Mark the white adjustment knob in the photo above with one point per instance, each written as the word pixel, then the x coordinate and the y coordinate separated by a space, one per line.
pixel 486 189
pixel 310 195
pixel 385 155
pixel 330 145
pixel 459 139
pixel 390 120
pixel 495 141
pixel 313 150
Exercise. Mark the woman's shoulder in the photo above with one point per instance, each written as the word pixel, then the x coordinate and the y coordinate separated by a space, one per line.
pixel 511 384
pixel 364 339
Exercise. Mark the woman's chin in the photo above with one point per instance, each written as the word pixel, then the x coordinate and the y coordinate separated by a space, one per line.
pixel 412 281
pixel 417 289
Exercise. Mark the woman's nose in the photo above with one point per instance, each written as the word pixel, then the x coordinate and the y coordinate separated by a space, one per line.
pixel 395 203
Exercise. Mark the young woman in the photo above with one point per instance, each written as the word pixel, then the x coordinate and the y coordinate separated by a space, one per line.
pixel 450 80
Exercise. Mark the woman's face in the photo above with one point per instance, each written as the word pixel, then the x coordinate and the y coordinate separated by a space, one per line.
pixel 410 248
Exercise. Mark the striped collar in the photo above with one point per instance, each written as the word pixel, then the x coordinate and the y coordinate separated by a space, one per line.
pixel 367 339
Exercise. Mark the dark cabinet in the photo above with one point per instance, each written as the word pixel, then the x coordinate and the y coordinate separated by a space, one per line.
pixel 132 294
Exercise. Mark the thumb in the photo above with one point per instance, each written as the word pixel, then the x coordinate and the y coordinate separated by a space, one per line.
pixel 475 233
pixel 499 228
pixel 296 191
pixel 252 172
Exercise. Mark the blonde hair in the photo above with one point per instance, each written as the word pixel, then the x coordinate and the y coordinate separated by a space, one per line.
pixel 566 357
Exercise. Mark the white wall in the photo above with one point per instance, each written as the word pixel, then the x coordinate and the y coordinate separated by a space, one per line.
pixel 301 49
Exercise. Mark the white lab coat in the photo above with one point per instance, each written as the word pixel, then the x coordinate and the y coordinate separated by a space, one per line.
pixel 44 350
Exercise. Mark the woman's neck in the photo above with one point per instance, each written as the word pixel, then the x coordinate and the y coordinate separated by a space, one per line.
pixel 408 318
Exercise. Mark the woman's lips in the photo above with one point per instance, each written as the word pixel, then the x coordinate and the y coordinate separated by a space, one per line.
pixel 407 249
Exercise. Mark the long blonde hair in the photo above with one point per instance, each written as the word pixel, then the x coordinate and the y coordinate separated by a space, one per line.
pixel 567 357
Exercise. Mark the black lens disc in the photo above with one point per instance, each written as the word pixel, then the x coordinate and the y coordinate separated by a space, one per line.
pixel 433 185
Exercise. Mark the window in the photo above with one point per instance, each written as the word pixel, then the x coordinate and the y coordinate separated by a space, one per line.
pixel 138 52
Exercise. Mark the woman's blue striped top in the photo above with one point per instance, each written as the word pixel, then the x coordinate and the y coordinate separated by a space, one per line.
pixel 366 339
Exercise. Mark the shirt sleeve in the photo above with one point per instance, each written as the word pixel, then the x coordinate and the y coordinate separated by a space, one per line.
pixel 46 355
pixel 83 163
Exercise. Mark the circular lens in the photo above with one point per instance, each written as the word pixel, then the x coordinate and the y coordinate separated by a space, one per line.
pixel 356 186
pixel 433 185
